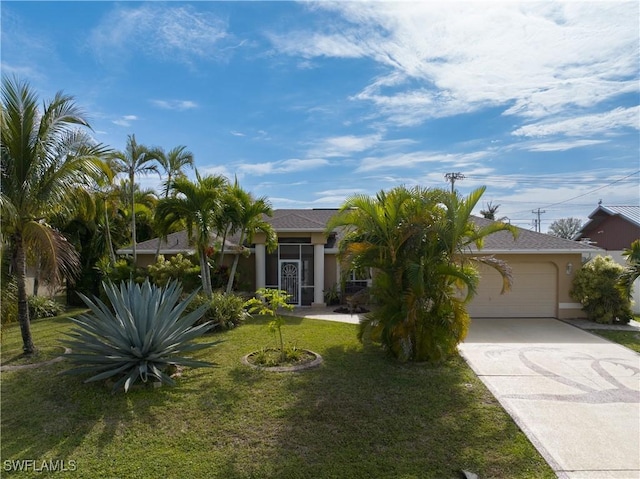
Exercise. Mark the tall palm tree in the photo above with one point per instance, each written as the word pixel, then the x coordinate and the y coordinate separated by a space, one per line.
pixel 173 163
pixel 250 220
pixel 196 204
pixel 417 241
pixel 136 159
pixel 44 156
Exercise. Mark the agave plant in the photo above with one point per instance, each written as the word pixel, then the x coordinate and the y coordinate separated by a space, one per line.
pixel 140 337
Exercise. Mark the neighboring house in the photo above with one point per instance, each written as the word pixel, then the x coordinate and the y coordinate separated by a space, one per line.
pixel 305 264
pixel 614 228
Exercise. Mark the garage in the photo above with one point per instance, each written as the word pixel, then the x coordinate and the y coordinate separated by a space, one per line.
pixel 533 294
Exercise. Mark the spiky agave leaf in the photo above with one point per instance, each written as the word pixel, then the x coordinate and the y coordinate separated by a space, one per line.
pixel 144 331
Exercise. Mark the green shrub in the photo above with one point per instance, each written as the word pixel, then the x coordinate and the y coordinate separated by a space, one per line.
pixel 175 268
pixel 595 286
pixel 43 307
pixel 225 311
pixel 141 336
pixel 9 302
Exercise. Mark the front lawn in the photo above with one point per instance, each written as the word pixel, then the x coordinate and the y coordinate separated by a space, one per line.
pixel 629 339
pixel 360 415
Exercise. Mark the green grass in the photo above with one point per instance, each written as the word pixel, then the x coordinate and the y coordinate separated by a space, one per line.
pixel 360 415
pixel 629 339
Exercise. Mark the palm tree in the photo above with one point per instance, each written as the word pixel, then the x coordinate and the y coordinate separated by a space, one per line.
pixel 173 164
pixel 196 204
pixel 44 156
pixel 136 159
pixel 632 272
pixel 490 211
pixel 417 241
pixel 250 220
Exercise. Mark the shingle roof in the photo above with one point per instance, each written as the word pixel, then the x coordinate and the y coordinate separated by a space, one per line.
pixel 314 220
pixel 529 242
pixel 301 219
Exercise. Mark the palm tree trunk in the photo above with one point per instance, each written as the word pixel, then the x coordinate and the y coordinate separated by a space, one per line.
pixel 20 263
pixel 112 254
pixel 205 273
pixel 133 219
pixel 234 267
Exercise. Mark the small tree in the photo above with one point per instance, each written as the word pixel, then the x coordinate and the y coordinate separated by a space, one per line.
pixel 632 272
pixel 268 302
pixel 596 288
pixel 565 227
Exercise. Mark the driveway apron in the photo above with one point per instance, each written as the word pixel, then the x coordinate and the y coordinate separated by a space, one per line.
pixel 576 396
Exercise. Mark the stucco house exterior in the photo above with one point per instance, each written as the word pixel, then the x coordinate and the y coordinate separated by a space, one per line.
pixel 305 264
pixel 614 228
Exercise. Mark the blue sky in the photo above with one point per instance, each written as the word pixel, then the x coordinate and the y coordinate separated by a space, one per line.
pixel 307 103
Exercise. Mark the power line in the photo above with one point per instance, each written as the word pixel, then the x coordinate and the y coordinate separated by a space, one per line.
pixel 537 221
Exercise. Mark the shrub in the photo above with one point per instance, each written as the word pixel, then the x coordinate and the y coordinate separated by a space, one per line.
pixel 43 307
pixel 225 311
pixel 140 337
pixel 595 286
pixel 175 268
pixel 9 302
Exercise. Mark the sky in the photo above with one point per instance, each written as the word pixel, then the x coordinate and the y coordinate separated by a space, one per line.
pixel 308 103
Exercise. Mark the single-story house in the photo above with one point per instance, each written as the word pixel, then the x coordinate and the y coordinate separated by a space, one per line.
pixel 614 228
pixel 305 264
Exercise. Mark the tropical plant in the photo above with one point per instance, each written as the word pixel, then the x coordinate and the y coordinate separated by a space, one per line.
pixel 418 243
pixel 141 335
pixel 175 268
pixel 43 307
pixel 566 228
pixel 173 163
pixel 225 311
pixel 596 287
pixel 632 271
pixel 135 159
pixel 45 154
pixel 268 302
pixel 197 205
pixel 490 211
pixel 249 220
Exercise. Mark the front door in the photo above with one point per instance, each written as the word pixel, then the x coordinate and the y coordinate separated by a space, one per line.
pixel 289 279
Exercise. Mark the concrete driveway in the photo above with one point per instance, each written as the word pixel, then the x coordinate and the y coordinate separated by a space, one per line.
pixel 576 396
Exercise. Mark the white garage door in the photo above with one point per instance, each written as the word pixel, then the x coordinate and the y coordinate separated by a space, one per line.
pixel 533 294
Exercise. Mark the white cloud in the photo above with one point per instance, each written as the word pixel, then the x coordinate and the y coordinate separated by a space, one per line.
pixel 586 125
pixel 237 133
pixel 176 33
pixel 284 166
pixel 124 120
pixel 534 59
pixel 338 146
pixel 178 105
pixel 416 158
pixel 560 145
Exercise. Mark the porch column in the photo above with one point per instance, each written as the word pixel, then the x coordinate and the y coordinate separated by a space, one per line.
pixel 261 276
pixel 318 275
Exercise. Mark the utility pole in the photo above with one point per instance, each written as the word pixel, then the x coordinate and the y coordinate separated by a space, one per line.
pixel 537 222
pixel 452 177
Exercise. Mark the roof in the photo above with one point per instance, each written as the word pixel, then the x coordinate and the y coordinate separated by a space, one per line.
pixel 301 219
pixel 315 220
pixel 175 243
pixel 628 213
pixel 529 242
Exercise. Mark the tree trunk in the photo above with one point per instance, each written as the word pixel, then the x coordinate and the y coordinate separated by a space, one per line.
pixel 20 263
pixel 234 267
pixel 133 219
pixel 205 273
pixel 112 254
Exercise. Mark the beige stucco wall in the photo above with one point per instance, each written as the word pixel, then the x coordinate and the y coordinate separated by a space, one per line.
pixel 566 307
